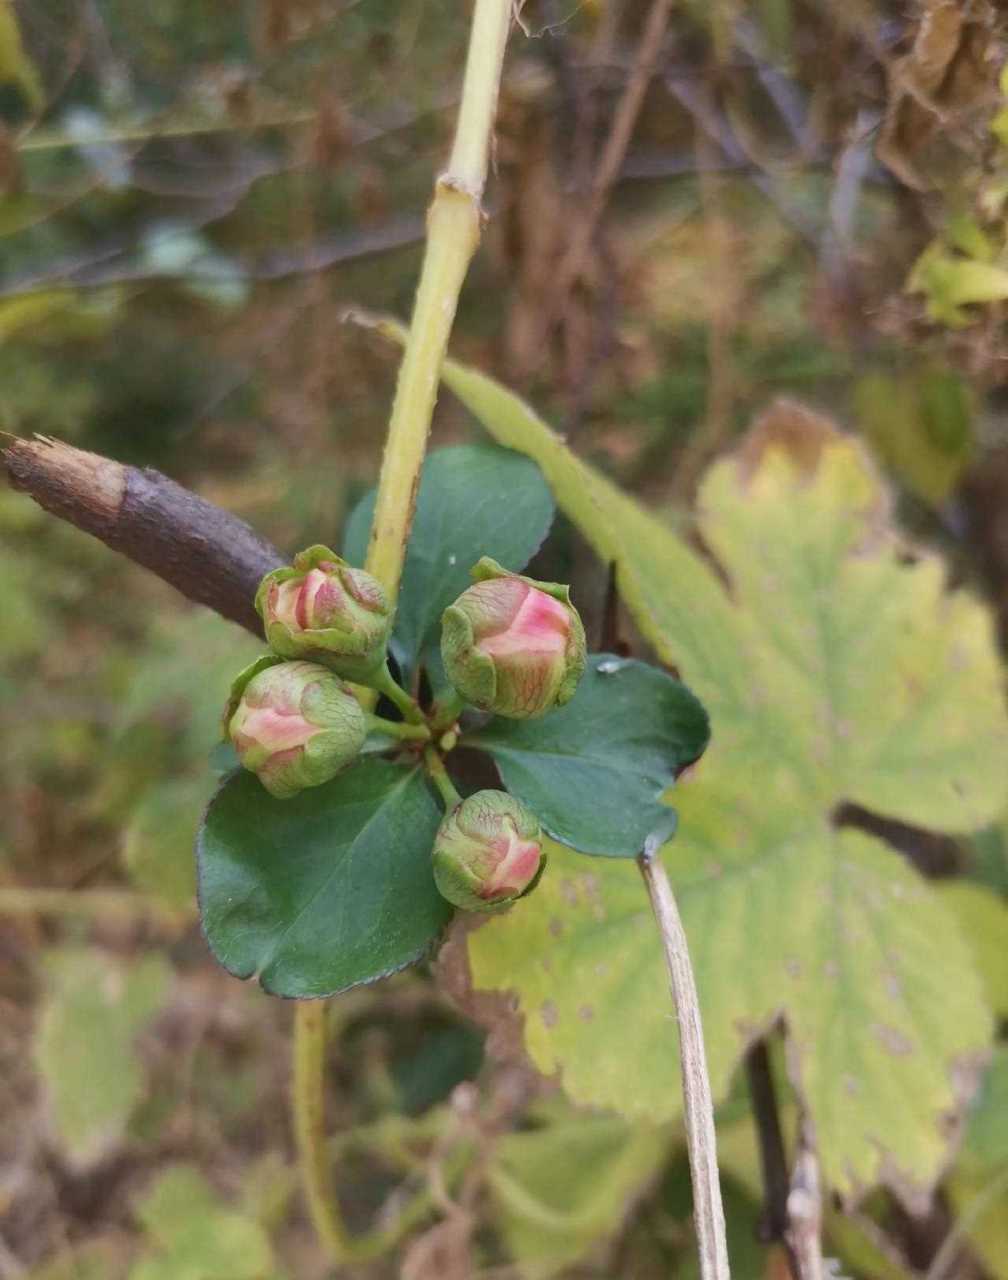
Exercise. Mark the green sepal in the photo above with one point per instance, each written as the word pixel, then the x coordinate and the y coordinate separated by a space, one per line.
pixel 311 644
pixel 303 562
pixel 239 684
pixel 457 636
pixel 486 569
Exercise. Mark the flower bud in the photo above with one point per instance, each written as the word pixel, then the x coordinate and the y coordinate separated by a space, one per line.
pixel 294 724
pixel 487 852
pixel 323 609
pixel 513 645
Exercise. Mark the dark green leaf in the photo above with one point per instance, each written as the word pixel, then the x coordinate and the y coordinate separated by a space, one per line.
pixel 594 771
pixel 474 500
pixel 324 891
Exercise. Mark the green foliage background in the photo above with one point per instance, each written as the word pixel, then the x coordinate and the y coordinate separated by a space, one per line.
pixel 190 197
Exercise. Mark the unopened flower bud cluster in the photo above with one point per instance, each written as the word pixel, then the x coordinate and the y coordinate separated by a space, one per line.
pixel 296 723
pixel 514 647
pixel 511 647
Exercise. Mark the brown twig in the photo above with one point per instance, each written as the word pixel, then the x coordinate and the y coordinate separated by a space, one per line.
pixel 804 1209
pixel 792 1214
pixel 610 162
pixel 644 66
pixel 208 554
pixel 773 1160
pixel 701 1145
pixel 718 129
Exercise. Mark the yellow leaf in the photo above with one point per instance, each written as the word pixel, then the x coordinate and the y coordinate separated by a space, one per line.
pixel 836 669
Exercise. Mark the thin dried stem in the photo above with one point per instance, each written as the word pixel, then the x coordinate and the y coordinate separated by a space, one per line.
pixel 804 1209
pixel 613 153
pixel 701 1144
pixel 611 160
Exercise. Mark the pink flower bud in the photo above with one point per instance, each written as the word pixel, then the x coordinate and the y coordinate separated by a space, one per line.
pixel 512 645
pixel 487 852
pixel 294 724
pixel 324 609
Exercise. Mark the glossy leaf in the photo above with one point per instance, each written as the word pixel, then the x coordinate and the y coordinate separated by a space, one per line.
pixel 474 500
pixel 594 772
pixel 329 889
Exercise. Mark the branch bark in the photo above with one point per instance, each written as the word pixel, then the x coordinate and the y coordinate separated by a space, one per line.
pixel 211 556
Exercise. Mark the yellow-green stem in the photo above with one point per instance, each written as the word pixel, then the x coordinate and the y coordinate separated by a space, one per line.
pixel 439 776
pixel 384 683
pixel 308 1104
pixel 453 227
pixel 446 711
pixel 399 729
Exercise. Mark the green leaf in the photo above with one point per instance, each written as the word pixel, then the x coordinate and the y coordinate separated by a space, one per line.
pixel 474 500
pixel 865 1251
pixel 158 840
pixel 978 1186
pixel 181 678
pixel 197 1237
pixel 324 891
pixel 837 661
pixel 594 771
pixel 985 1142
pixel 983 919
pixel 561 1188
pixel 94 1009
pixel 15 65
pixel 952 282
pixel 749 1258
pixel 921 425
pixel 836 669
pixel 827 925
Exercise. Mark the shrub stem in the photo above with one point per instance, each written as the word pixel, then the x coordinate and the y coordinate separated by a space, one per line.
pixel 399 729
pixel 439 776
pixel 308 1105
pixel 384 683
pixel 453 228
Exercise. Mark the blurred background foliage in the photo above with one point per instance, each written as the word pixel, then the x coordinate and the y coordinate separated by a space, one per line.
pixel 191 195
